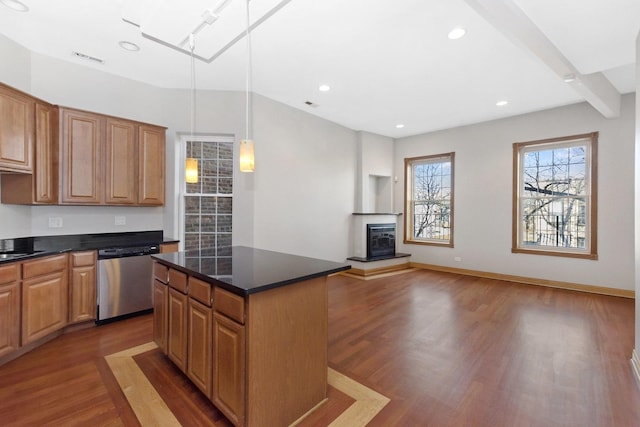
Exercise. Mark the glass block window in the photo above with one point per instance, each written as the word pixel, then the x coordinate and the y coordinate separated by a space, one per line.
pixel 208 204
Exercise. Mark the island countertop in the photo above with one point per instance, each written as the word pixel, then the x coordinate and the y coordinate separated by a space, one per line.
pixel 244 270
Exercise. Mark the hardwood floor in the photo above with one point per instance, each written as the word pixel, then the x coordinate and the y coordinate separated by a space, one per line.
pixel 447 350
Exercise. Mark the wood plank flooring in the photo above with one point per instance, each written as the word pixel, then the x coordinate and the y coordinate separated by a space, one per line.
pixel 447 350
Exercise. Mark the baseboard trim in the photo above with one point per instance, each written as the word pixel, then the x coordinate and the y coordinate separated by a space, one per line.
pixel 530 280
pixel 635 366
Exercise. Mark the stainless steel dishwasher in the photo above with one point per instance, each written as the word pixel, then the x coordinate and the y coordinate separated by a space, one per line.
pixel 125 287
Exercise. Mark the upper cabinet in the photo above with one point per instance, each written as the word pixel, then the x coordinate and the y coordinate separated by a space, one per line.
pixel 79 157
pixel 151 164
pixel 41 186
pixel 16 130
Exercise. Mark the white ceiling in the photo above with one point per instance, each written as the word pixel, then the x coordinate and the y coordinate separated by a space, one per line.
pixel 387 62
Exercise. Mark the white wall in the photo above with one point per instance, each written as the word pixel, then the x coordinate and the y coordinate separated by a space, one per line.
pixel 483 195
pixel 373 193
pixel 305 165
pixel 637 205
pixel 304 182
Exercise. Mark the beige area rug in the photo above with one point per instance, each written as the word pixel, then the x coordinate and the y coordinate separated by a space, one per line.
pixel 151 410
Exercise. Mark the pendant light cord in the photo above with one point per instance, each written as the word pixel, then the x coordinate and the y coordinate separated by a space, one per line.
pixel 248 72
pixel 192 45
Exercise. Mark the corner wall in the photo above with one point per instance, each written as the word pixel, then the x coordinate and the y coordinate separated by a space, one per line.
pixel 635 359
pixel 483 195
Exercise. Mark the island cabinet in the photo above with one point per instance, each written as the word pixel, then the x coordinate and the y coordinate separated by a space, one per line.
pixel 9 308
pixel 177 310
pixel 256 330
pixel 199 351
pixel 16 130
pixel 44 296
pixel 82 286
pixel 160 305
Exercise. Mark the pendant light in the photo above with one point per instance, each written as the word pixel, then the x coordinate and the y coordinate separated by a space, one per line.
pixel 247 157
pixel 191 165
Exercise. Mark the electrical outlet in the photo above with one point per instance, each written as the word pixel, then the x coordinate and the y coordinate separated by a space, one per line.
pixel 55 222
pixel 457 259
pixel 120 220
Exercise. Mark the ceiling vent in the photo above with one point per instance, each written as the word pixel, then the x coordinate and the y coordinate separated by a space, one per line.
pixel 88 57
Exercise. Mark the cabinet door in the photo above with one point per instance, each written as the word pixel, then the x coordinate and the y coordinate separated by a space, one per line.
pixel 151 164
pixel 45 172
pixel 9 313
pixel 121 162
pixel 16 130
pixel 160 314
pixel 199 351
pixel 81 157
pixel 229 368
pixel 82 290
pixel 44 305
pixel 177 337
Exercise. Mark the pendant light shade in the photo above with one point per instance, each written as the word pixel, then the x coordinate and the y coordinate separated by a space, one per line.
pixel 247 158
pixel 191 171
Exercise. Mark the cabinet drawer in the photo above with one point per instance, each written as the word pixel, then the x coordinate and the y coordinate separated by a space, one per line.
pixel 178 280
pixel 161 272
pixel 200 291
pixel 44 266
pixel 229 304
pixel 83 259
pixel 9 273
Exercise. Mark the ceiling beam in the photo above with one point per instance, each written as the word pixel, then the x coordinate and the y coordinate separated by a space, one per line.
pixel 510 20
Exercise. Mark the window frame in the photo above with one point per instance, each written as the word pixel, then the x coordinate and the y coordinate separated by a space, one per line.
pixel 408 199
pixel 591 177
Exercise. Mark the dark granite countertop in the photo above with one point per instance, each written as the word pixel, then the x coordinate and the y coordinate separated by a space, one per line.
pixel 243 270
pixel 24 248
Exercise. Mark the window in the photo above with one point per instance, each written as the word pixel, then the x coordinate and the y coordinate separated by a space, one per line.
pixel 207 204
pixel 428 188
pixel 554 196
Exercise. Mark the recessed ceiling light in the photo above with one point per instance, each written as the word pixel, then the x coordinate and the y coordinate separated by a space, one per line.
pixel 129 46
pixel 456 33
pixel 324 88
pixel 502 103
pixel 399 126
pixel 15 5
pixel 568 78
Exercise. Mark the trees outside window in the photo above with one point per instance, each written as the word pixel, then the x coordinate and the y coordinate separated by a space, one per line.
pixel 429 200
pixel 554 199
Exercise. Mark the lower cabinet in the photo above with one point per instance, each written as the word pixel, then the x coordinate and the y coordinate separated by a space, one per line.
pixel 160 314
pixel 229 368
pixel 44 297
pixel 9 309
pixel 177 331
pixel 82 288
pixel 199 346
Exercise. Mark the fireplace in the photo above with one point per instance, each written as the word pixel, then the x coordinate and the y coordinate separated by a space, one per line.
pixel 381 240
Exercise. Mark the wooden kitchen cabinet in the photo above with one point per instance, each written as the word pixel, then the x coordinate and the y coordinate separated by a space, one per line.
pixel 120 162
pixel 82 288
pixel 81 157
pixel 9 308
pixel 151 165
pixel 44 296
pixel 229 368
pixel 41 186
pixel 199 345
pixel 177 330
pixel 160 314
pixel 16 130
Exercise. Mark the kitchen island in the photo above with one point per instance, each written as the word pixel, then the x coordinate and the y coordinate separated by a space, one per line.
pixel 248 327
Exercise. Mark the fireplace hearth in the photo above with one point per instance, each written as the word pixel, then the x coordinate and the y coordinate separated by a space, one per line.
pixel 381 240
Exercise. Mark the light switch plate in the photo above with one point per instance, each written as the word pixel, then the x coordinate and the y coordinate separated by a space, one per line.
pixel 120 220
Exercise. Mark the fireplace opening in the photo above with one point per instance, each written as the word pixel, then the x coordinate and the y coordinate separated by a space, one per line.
pixel 381 240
